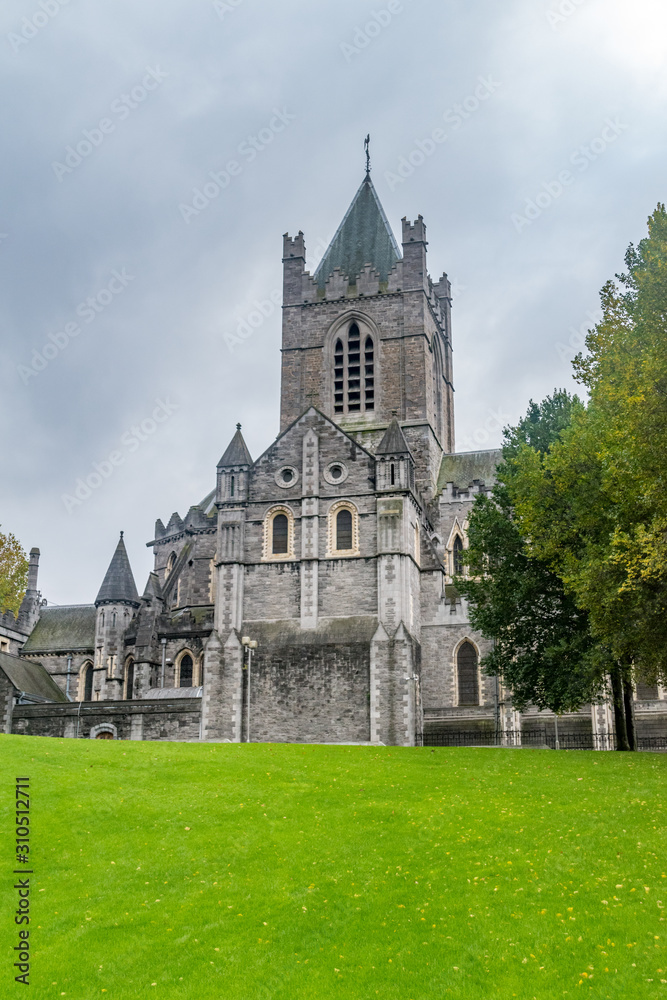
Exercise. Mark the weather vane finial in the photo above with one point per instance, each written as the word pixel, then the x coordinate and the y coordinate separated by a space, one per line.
pixel 367 143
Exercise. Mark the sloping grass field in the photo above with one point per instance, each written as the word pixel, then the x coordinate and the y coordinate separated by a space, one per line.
pixel 245 872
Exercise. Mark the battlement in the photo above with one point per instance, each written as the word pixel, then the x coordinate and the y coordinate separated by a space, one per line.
pixel 413 232
pixel 294 248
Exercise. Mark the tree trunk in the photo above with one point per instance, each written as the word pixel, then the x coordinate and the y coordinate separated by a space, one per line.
pixel 619 709
pixel 628 693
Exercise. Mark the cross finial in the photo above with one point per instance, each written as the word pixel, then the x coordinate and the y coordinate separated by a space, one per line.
pixel 238 427
pixel 121 534
pixel 367 143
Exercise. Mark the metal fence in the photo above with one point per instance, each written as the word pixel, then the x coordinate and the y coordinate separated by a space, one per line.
pixel 531 738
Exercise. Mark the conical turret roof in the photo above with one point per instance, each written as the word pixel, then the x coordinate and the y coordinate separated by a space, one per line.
pixel 237 451
pixel 393 442
pixel 119 582
pixel 363 237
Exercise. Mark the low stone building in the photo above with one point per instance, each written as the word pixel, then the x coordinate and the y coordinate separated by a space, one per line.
pixel 309 596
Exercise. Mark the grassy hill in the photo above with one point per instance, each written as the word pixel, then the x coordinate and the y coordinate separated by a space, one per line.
pixel 166 870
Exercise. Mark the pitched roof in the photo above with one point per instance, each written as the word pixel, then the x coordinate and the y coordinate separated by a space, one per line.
pixel 363 237
pixel 153 588
pixel 63 630
pixel 118 584
pixel 31 678
pixel 393 442
pixel 464 468
pixel 237 451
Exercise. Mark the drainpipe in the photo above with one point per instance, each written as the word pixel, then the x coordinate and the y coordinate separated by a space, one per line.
pixel 69 669
pixel 164 660
pixel 78 717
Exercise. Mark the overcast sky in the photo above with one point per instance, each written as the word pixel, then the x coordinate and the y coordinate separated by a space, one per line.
pixel 551 155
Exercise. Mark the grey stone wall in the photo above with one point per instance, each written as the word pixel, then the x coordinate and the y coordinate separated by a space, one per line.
pixel 310 686
pixel 148 720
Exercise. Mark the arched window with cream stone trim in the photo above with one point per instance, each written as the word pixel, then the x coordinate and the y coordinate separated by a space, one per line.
pixel 343 530
pixel 278 534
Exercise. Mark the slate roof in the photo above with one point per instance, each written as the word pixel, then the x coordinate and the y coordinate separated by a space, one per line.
pixel 462 469
pixel 237 451
pixel 393 442
pixel 30 678
pixel 118 584
pixel 363 237
pixel 63 630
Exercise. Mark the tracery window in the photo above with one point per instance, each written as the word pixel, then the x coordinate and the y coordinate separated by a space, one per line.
pixel 468 685
pixel 354 372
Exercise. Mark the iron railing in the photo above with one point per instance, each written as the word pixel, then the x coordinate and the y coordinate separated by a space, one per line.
pixel 534 738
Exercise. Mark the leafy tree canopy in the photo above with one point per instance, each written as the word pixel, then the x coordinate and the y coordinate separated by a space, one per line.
pixel 13 573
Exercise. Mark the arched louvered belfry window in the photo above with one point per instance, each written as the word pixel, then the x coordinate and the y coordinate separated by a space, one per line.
pixel 280 535
pixel 458 556
pixel 467 675
pixel 369 374
pixel 354 372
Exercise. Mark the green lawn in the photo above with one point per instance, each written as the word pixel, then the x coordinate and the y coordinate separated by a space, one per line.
pixel 286 872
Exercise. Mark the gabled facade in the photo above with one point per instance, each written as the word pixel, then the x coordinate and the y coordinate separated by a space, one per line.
pixel 309 597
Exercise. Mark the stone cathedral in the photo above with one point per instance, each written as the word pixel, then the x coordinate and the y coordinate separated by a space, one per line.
pixel 309 596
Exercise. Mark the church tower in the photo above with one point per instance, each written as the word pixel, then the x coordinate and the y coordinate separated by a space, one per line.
pixel 369 336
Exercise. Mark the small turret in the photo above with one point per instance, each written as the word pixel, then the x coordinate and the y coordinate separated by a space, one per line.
pixel 394 464
pixel 233 470
pixel 116 603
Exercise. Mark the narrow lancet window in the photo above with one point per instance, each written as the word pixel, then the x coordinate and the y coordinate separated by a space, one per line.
pixel 458 556
pixel 185 672
pixel 467 675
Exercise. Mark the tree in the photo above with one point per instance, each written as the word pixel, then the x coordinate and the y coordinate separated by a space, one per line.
pixel 543 648
pixel 595 507
pixel 13 573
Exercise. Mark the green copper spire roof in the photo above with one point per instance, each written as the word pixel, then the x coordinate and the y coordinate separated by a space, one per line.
pixel 363 237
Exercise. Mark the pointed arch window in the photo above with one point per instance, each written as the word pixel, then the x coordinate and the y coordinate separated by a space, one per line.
pixel 86 689
pixel 457 555
pixel 185 671
pixel 354 372
pixel 129 679
pixel 468 684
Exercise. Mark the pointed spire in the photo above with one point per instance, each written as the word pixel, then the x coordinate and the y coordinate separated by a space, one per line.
pixel 393 442
pixel 118 585
pixel 237 452
pixel 363 237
